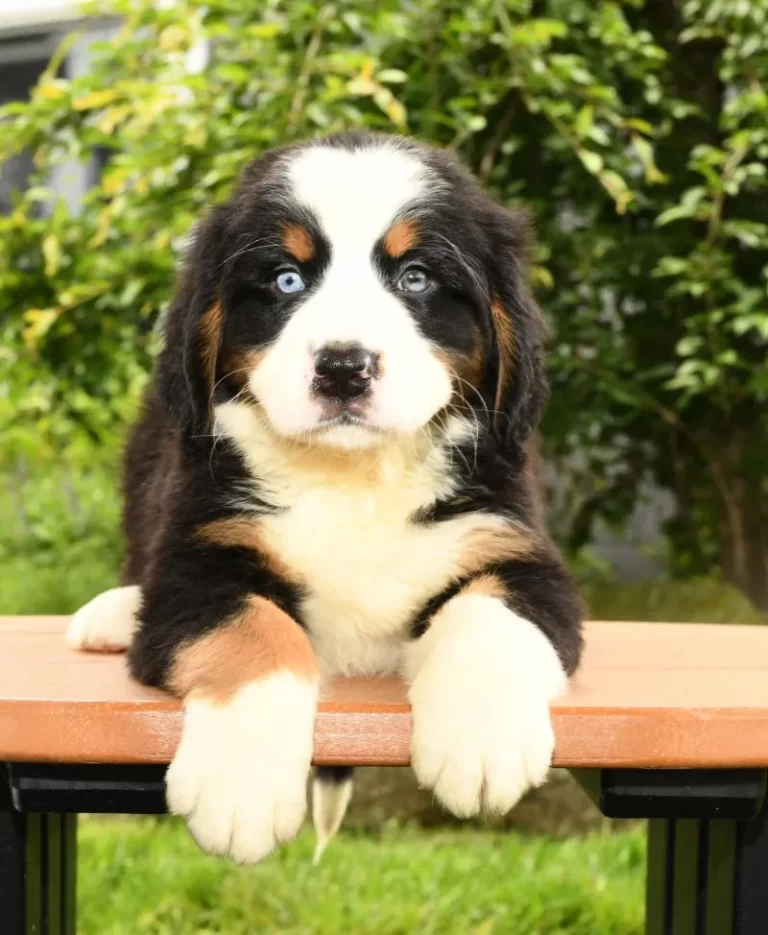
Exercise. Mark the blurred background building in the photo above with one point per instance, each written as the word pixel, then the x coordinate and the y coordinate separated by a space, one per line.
pixel 30 31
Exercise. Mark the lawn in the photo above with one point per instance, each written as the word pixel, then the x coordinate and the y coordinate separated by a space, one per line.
pixel 146 877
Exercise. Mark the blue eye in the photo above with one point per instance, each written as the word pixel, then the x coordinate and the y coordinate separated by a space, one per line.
pixel 289 282
pixel 414 279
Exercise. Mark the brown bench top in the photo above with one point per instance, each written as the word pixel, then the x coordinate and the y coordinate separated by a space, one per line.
pixel 648 695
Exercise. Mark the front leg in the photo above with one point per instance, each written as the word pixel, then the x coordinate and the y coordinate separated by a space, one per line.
pixel 248 678
pixel 481 678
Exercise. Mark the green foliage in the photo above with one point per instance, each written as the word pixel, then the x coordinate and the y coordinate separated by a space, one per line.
pixel 635 133
pixel 452 884
pixel 59 541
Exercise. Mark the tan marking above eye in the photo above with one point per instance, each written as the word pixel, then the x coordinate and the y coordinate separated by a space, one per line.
pixel 400 238
pixel 259 642
pixel 298 242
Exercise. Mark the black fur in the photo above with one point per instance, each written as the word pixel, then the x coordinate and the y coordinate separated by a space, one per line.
pixel 334 775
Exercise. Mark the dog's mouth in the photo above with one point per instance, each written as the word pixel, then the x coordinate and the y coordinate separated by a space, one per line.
pixel 346 418
pixel 347 425
pixel 338 412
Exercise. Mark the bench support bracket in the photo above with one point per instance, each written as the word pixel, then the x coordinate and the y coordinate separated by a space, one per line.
pixel 707 845
pixel 38 859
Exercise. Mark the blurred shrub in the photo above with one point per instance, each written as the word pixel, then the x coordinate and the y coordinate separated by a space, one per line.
pixel 636 133
pixel 60 541
pixel 697 600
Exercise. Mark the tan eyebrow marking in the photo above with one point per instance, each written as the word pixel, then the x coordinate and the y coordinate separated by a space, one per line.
pixel 298 242
pixel 400 238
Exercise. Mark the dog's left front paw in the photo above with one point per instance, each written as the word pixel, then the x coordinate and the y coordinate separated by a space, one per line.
pixel 481 680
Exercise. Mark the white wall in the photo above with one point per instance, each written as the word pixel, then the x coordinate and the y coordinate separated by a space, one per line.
pixel 30 14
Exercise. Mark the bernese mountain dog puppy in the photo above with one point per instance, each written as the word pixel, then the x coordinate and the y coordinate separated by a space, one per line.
pixel 333 474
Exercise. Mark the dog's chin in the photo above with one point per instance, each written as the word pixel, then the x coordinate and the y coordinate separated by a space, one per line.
pixel 341 427
pixel 347 431
pixel 348 436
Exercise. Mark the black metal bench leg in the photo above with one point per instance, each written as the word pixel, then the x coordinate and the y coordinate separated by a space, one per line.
pixel 707 877
pixel 707 844
pixel 38 859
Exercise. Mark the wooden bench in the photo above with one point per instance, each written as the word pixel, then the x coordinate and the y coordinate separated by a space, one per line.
pixel 665 722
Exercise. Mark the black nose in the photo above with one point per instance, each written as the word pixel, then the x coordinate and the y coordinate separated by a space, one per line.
pixel 343 371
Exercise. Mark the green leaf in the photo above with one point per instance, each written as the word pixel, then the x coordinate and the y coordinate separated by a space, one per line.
pixel 391 76
pixel 95 99
pixel 689 345
pixel 757 322
pixel 593 161
pixel 234 72
pixel 584 120
pixel 265 30
pixel 644 151
pixel 688 207
pixel 391 106
pixel 617 189
pixel 52 254
pixel 37 323
pixel 476 122
pixel 748 233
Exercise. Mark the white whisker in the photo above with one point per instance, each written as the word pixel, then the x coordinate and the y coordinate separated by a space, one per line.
pixel 252 245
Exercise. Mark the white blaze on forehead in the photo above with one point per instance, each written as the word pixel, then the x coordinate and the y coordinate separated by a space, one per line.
pixel 356 194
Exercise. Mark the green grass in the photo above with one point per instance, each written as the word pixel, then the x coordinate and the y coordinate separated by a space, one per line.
pixel 147 877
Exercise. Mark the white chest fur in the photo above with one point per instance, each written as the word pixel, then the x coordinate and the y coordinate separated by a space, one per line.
pixel 344 525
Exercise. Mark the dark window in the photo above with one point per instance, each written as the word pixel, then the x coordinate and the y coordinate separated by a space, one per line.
pixel 17 78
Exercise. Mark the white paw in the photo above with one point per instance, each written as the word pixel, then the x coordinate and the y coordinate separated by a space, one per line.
pixel 107 623
pixel 481 679
pixel 240 773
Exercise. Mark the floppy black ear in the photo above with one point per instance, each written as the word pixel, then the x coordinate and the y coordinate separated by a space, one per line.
pixel 517 377
pixel 186 368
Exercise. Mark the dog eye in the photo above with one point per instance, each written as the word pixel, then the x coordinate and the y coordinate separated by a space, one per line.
pixel 289 282
pixel 414 279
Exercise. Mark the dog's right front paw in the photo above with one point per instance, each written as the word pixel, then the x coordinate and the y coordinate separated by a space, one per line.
pixel 240 774
pixel 107 623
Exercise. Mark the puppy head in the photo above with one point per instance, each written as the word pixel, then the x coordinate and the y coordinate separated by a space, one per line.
pixel 354 289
